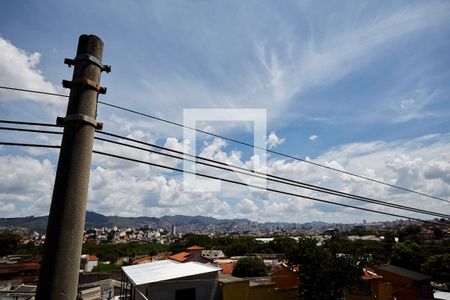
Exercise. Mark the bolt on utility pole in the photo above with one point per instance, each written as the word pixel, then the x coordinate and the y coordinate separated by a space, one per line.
pixel 58 279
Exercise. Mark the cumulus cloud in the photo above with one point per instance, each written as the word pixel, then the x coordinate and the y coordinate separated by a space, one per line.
pixel 273 140
pixel 438 170
pixel 420 164
pixel 313 137
pixel 7 208
pixel 131 190
pixel 246 206
pixel 25 180
pixel 19 68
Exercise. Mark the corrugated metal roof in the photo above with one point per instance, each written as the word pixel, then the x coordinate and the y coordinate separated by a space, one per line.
pixel 404 272
pixel 165 270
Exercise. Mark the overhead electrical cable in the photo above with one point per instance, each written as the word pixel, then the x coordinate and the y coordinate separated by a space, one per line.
pixel 262 188
pixel 29 145
pixel 247 172
pixel 30 130
pixel 28 123
pixel 274 152
pixel 240 170
pixel 32 91
pixel 240 142
pixel 231 181
pixel 266 176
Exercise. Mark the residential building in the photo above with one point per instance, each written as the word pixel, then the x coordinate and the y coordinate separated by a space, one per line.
pixel 407 284
pixel 192 254
pixel 259 288
pixel 372 286
pixel 88 262
pixel 170 280
pixel 12 290
pixel 284 277
pixel 213 254
pixel 105 289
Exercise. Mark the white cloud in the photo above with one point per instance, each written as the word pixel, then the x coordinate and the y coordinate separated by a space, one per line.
pixel 421 164
pixel 7 208
pixel 407 103
pixel 313 137
pixel 280 70
pixel 246 206
pixel 273 140
pixel 438 170
pixel 25 181
pixel 20 69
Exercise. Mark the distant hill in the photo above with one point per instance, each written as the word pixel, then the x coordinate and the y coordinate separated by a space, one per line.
pixel 38 224
pixel 96 220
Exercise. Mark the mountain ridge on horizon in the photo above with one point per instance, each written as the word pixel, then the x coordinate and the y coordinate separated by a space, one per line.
pixel 96 220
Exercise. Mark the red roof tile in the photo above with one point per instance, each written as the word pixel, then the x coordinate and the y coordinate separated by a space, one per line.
pixel 195 248
pixel 180 257
pixel 227 268
pixel 370 274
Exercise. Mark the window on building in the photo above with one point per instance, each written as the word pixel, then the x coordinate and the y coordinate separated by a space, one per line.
pixel 185 294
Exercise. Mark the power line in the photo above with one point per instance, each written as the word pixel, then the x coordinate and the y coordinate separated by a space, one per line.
pixel 29 145
pixel 247 172
pixel 297 183
pixel 240 142
pixel 28 123
pixel 269 177
pixel 30 130
pixel 229 181
pixel 272 151
pixel 32 91
pixel 261 188
pixel 240 170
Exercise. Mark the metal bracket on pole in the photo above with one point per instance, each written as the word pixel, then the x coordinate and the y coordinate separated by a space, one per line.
pixel 84 82
pixel 81 119
pixel 91 58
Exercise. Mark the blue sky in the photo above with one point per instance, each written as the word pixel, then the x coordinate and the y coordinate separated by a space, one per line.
pixel 358 85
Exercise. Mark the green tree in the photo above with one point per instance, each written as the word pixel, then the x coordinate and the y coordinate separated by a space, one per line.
pixel 408 254
pixel 250 267
pixel 9 243
pixel 438 266
pixel 282 244
pixel 197 240
pixel 410 233
pixel 438 233
pixel 237 247
pixel 106 268
pixel 325 271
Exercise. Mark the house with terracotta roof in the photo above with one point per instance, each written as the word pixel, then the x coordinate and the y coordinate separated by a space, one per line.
pixel 227 267
pixel 371 286
pixel 195 248
pixel 88 262
pixel 284 277
pixel 253 288
pixel 407 284
pixel 192 254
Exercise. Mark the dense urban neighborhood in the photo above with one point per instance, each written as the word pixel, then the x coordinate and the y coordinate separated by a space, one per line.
pixel 240 259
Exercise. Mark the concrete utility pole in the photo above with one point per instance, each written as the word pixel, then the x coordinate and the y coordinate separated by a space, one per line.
pixel 59 273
